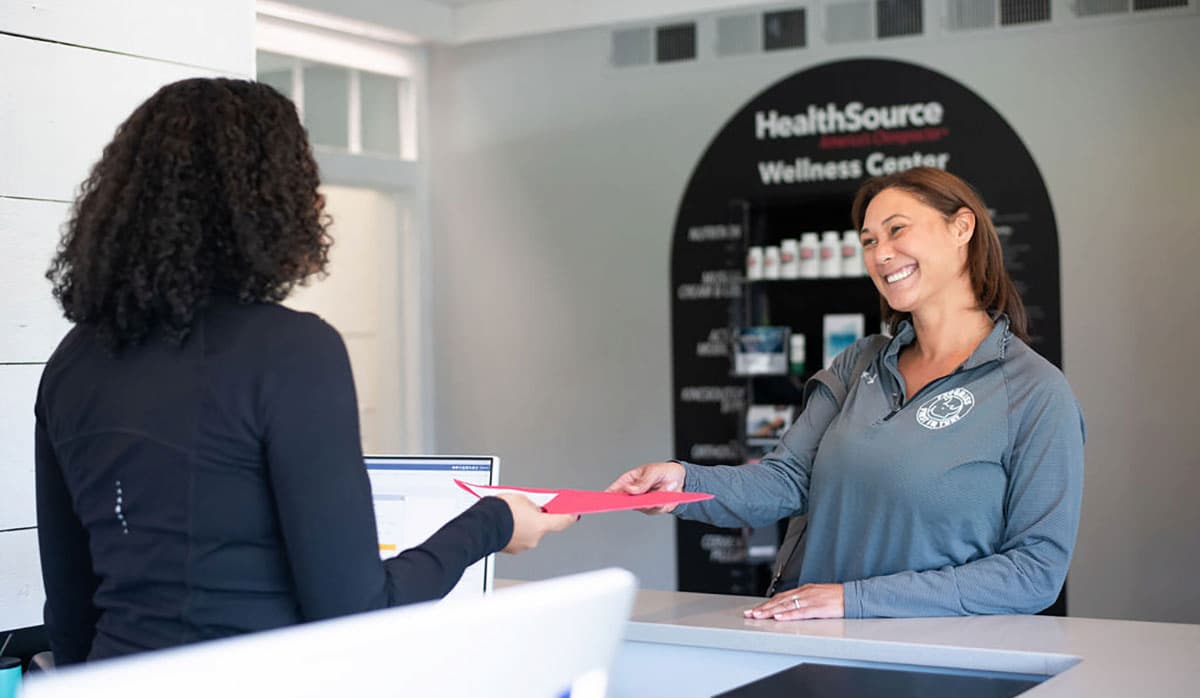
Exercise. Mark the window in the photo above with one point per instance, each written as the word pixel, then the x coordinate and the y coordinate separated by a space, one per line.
pixel 344 109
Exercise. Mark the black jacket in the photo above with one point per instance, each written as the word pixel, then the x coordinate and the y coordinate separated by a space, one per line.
pixel 196 492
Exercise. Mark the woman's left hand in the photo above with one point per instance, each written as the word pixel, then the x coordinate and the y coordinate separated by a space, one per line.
pixel 803 603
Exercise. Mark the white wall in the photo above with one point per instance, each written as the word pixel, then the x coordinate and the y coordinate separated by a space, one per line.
pixel 72 71
pixel 361 299
pixel 556 182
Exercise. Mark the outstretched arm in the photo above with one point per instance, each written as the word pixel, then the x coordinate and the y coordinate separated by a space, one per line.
pixel 323 496
pixel 759 494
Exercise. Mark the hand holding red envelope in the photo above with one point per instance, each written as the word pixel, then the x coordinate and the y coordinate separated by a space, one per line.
pixel 585 501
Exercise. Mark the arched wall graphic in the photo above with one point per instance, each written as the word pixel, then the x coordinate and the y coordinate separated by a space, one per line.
pixel 788 162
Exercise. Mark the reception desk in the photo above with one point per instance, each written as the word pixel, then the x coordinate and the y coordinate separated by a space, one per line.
pixel 681 645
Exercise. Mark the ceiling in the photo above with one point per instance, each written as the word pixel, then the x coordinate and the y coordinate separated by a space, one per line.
pixel 467 21
pixel 461 3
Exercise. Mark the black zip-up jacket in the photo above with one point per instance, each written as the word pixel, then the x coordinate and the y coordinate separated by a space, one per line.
pixel 218 488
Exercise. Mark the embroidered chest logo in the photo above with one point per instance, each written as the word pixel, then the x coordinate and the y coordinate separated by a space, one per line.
pixel 943 410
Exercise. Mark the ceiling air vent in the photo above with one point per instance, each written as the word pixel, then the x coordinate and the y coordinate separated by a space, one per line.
pixel 849 21
pixel 897 18
pixel 1139 5
pixel 632 47
pixel 676 42
pixel 972 14
pixel 1024 11
pixel 736 35
pixel 784 29
pixel 1089 8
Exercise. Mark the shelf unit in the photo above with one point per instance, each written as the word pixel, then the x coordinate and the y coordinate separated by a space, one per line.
pixel 800 304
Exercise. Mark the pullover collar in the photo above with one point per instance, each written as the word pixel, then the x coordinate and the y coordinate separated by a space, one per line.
pixel 992 348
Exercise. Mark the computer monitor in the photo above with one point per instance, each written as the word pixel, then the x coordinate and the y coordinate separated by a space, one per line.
pixel 534 640
pixel 414 496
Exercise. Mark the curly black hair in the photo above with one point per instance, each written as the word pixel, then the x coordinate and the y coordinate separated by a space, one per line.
pixel 210 185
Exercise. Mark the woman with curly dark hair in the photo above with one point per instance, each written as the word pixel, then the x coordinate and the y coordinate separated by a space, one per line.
pixel 199 471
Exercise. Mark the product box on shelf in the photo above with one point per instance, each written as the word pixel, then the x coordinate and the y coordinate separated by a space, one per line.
pixel 765 424
pixel 761 351
pixel 841 331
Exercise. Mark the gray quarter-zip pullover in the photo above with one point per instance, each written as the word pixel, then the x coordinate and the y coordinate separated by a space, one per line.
pixel 963 500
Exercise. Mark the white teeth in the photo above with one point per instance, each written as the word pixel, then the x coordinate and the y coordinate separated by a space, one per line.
pixel 900 275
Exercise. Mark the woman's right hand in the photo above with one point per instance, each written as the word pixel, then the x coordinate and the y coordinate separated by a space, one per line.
pixel 530 523
pixel 651 477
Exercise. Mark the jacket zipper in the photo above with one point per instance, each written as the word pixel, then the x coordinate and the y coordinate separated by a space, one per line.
pixel 898 404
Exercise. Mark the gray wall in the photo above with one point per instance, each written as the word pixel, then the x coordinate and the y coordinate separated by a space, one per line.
pixel 556 180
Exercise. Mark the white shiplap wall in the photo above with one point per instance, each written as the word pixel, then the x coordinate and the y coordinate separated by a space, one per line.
pixel 72 71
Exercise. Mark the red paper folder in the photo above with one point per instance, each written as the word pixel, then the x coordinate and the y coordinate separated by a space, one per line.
pixel 587 502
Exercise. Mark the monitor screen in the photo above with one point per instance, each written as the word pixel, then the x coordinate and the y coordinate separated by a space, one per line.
pixel 415 496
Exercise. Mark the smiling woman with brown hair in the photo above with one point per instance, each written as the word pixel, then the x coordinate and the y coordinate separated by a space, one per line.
pixel 199 471
pixel 950 197
pixel 942 468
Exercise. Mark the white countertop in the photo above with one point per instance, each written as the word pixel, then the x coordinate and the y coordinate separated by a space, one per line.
pixel 1087 657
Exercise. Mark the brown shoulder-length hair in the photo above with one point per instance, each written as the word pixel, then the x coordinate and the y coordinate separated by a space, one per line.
pixel 210 185
pixel 994 289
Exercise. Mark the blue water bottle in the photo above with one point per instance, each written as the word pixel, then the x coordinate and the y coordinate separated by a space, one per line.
pixel 10 676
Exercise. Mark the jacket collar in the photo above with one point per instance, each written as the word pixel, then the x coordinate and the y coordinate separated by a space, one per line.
pixel 992 348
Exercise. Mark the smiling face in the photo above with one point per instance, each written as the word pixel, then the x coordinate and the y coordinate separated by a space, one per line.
pixel 913 253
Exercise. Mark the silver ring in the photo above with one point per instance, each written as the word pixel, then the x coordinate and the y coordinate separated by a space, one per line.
pixel 796 600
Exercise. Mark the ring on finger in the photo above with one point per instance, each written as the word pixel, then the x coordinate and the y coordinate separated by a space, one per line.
pixel 796 601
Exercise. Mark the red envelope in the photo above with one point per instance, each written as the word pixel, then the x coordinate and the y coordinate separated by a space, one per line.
pixel 588 502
